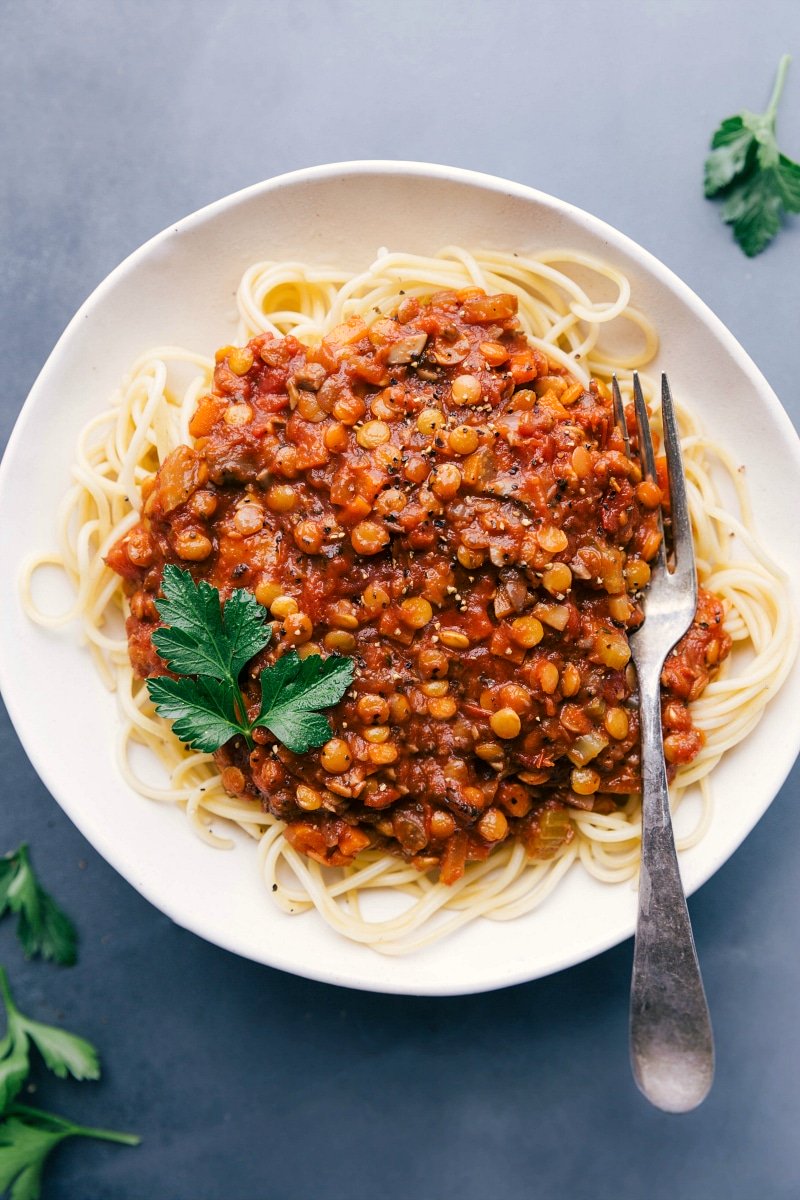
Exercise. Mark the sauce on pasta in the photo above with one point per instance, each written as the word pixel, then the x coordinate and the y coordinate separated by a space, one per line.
pixel 440 499
pixel 140 450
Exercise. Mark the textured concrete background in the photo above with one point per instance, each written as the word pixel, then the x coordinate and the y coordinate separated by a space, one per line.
pixel 244 1082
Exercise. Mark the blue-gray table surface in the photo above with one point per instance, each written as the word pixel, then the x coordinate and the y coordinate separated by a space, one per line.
pixel 246 1083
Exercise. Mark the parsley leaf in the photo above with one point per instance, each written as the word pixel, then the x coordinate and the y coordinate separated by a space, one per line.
pixel 291 692
pixel 14 1066
pixel 202 638
pixel 23 1150
pixel 731 146
pixel 64 1053
pixel 207 645
pixel 759 182
pixel 28 1136
pixel 203 710
pixel 789 182
pixel 42 927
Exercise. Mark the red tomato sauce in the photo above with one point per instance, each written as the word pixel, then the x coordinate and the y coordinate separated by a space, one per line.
pixel 441 501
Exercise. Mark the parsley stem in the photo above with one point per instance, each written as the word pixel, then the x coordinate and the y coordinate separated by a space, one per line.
pixel 5 992
pixel 780 79
pixel 108 1135
pixel 69 1128
pixel 240 708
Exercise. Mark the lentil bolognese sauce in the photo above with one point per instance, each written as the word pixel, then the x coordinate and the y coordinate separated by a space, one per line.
pixel 439 500
pixel 418 468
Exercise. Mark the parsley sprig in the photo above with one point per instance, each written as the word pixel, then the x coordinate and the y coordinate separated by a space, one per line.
pixel 207 644
pixel 28 1135
pixel 747 168
pixel 64 1053
pixel 42 927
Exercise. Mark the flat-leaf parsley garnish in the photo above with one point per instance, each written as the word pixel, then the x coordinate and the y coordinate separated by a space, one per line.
pixel 27 1138
pixel 64 1053
pixel 207 644
pixel 757 181
pixel 42 927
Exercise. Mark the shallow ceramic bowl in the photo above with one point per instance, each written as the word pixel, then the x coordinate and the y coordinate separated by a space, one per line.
pixel 179 288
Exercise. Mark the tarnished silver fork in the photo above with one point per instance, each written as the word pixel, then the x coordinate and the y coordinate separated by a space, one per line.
pixel 671 1041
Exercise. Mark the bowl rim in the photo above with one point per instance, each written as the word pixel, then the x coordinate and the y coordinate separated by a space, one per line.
pixel 425 170
pixel 596 227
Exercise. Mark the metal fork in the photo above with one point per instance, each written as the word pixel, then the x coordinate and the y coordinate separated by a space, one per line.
pixel 671 1042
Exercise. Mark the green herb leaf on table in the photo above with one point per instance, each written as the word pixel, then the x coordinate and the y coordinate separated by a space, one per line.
pixel 63 1053
pixel 28 1136
pixel 42 927
pixel 14 1067
pixel 207 644
pixel 23 1150
pixel 747 168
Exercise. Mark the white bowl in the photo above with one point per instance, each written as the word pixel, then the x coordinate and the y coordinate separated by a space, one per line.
pixel 179 289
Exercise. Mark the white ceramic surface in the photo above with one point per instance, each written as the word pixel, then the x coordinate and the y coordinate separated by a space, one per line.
pixel 179 289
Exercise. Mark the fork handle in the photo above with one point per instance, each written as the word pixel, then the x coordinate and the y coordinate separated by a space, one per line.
pixel 671 1041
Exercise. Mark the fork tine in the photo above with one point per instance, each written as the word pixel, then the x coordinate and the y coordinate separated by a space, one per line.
pixel 646 455
pixel 679 505
pixel 643 428
pixel 619 415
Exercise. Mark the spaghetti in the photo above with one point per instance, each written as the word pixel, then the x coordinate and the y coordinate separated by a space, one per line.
pixel 123 447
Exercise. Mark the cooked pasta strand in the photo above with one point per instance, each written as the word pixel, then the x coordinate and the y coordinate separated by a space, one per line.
pixel 150 415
